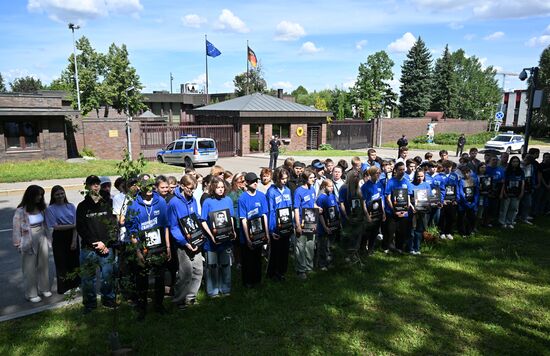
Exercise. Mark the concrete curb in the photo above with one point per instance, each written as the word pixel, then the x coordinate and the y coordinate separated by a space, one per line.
pixel 40 309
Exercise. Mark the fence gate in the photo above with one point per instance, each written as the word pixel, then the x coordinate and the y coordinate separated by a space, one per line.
pixel 313 137
pixel 350 135
pixel 156 136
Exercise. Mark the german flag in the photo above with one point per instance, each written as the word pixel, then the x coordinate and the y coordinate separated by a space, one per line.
pixel 252 57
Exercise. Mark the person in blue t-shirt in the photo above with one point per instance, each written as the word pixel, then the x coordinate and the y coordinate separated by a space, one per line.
pixel 279 197
pixel 373 207
pixel 252 205
pixel 468 201
pixel 218 254
pixel 449 195
pixel 512 192
pixel 421 216
pixel 181 207
pixel 146 223
pixel 371 160
pixel 398 203
pixel 329 223
pixel 304 246
pixel 497 174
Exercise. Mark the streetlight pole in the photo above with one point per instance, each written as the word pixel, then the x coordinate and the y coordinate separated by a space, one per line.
pixel 75 27
pixel 533 80
pixel 128 120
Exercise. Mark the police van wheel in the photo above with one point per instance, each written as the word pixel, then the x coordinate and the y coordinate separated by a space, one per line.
pixel 210 164
pixel 188 163
pixel 160 159
pixel 520 149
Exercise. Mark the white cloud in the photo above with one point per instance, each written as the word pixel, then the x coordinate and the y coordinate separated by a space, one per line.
pixel 402 44
pixel 489 9
pixel 469 36
pixel 282 85
pixel 359 45
pixel 455 26
pixel 229 85
pixel 80 11
pixel 547 30
pixel 200 80
pixel 289 31
pixel 309 48
pixel 228 21
pixel 542 41
pixel 193 20
pixel 494 36
pixel 350 83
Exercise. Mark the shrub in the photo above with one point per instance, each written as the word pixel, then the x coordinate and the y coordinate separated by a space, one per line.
pixel 325 147
pixel 87 152
pixel 451 138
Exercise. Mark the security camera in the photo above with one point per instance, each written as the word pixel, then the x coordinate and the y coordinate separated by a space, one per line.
pixel 523 75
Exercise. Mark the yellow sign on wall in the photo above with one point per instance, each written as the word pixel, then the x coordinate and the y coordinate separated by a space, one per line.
pixel 113 133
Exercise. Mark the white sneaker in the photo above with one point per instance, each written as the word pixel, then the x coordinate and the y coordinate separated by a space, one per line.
pixel 36 299
pixel 418 253
pixel 47 294
pixel 449 237
pixel 443 237
pixel 510 226
pixel 380 237
pixel 530 218
pixel 527 222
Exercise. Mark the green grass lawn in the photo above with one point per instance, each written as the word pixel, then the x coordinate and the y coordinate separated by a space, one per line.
pixel 487 295
pixel 57 169
pixel 431 147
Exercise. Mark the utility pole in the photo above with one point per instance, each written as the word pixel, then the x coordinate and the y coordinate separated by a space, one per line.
pixel 171 80
pixel 75 27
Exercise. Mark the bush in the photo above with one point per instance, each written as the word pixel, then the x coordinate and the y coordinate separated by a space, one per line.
pixel 87 152
pixel 325 147
pixel 451 138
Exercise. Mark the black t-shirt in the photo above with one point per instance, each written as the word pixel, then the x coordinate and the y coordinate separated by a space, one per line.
pixel 274 145
pixel 544 169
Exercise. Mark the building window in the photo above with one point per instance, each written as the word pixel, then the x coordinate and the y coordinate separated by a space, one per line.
pixel 21 135
pixel 281 130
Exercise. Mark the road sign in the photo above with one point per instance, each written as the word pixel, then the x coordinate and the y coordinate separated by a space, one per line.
pixel 499 116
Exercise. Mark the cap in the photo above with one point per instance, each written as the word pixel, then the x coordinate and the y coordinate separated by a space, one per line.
pixel 251 177
pixel 131 181
pixel 104 179
pixel 299 164
pixel 318 165
pixel 90 180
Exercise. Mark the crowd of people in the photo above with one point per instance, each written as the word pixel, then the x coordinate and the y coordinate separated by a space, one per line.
pixel 197 229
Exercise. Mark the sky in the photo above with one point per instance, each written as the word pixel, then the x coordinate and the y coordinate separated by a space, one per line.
pixel 317 44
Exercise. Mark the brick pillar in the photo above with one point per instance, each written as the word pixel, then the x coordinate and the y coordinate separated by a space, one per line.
pixel 245 139
pixel 268 132
pixel 323 134
pixel 297 142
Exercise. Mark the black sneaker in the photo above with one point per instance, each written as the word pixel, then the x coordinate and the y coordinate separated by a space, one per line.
pixel 110 304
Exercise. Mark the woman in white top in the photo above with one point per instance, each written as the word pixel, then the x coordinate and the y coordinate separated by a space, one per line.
pixel 31 238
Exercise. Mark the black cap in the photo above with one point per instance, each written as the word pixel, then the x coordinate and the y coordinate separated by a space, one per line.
pixel 92 180
pixel 299 164
pixel 318 165
pixel 251 177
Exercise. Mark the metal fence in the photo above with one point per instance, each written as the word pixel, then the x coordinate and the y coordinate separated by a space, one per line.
pixel 350 135
pixel 154 137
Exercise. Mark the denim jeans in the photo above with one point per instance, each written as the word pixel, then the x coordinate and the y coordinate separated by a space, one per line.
pixel 218 272
pixel 304 250
pixel 89 262
pixel 420 223
pixel 508 211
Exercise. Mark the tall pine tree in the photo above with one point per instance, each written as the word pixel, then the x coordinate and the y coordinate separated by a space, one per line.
pixel 444 85
pixel 416 81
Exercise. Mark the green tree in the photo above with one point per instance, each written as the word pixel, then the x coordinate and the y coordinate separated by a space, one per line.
pixel 540 123
pixel 2 85
pixel 477 88
pixel 340 104
pixel 254 81
pixel 299 91
pixel 416 81
pixel 60 84
pixel 119 77
pixel 444 85
pixel 372 90
pixel 26 84
pixel 91 66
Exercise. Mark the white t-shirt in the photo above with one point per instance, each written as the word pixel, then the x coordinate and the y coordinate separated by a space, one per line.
pixel 35 219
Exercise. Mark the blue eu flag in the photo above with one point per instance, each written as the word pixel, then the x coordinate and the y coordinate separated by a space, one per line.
pixel 211 50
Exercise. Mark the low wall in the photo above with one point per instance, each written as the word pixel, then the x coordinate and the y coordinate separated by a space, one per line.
pixel 392 129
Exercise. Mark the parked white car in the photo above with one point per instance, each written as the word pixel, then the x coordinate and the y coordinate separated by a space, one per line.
pixel 190 150
pixel 506 142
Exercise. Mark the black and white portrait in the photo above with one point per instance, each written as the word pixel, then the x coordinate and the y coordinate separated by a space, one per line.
pixel 220 219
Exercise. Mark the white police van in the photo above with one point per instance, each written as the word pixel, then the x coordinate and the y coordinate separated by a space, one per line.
pixel 506 142
pixel 190 150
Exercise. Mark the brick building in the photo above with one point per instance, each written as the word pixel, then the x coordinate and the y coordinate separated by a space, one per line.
pixel 257 117
pixel 34 126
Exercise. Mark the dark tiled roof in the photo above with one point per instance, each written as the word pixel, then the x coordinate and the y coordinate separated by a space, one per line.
pixel 258 102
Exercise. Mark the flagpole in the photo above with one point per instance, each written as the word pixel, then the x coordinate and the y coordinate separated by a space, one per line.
pixel 247 70
pixel 206 59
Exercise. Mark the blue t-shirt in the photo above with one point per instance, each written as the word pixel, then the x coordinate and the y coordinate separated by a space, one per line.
pixel 395 183
pixel 250 207
pixel 468 194
pixel 304 198
pixel 366 165
pixel 208 206
pixel 277 199
pixel 450 180
pixel 178 208
pixel 325 201
pixel 372 191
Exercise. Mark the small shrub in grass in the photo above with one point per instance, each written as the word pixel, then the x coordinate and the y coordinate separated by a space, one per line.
pixel 451 138
pixel 87 152
pixel 325 147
